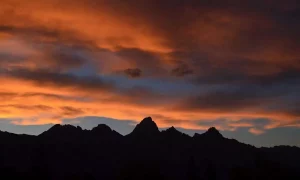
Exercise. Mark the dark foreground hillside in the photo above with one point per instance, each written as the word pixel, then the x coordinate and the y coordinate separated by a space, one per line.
pixel 68 152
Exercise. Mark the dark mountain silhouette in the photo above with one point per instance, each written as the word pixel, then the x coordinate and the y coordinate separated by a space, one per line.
pixel 69 152
pixel 146 128
pixel 211 133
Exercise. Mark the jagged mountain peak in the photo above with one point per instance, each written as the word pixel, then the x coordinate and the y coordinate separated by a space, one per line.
pixel 148 121
pixel 213 130
pixel 59 129
pixel 212 133
pixel 146 127
pixel 174 134
pixel 172 130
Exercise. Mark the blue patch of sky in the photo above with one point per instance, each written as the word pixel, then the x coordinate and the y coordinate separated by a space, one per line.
pixel 162 86
pixel 8 126
pixel 122 126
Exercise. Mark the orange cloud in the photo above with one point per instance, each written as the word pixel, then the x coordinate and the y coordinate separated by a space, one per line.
pixel 57 58
pixel 256 131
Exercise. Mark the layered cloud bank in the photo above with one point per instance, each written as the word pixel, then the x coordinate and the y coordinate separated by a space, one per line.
pixel 192 64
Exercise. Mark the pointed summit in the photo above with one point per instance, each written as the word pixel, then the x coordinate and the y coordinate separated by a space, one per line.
pixel 172 133
pixel 172 130
pixel 212 133
pixel 146 127
pixel 148 120
pixel 213 130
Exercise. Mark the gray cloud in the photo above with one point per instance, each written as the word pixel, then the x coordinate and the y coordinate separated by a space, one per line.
pixel 71 111
pixel 231 99
pixel 133 73
pixel 148 62
pixel 57 79
pixel 29 31
pixel 182 70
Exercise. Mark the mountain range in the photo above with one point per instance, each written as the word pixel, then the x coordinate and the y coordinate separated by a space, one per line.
pixel 69 152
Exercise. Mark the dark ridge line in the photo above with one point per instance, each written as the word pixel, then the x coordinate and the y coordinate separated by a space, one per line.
pixel 212 131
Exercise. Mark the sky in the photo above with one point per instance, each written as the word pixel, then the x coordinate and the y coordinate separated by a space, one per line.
pixel 234 65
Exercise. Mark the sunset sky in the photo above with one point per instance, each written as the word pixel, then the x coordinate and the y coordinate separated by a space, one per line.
pixel 190 64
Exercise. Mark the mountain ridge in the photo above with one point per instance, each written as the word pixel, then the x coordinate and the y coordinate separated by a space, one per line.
pixel 210 131
pixel 172 128
pixel 65 151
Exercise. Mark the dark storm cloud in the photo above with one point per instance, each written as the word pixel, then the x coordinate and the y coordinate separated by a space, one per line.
pixel 182 70
pixel 171 17
pixel 287 76
pixel 294 110
pixel 66 57
pixel 237 77
pixel 257 30
pixel 148 62
pixel 71 111
pixel 57 79
pixel 230 99
pixel 290 105
pixel 10 58
pixel 61 48
pixel 133 73
pixel 28 107
pixel 143 96
pixel 37 33
pixel 29 31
